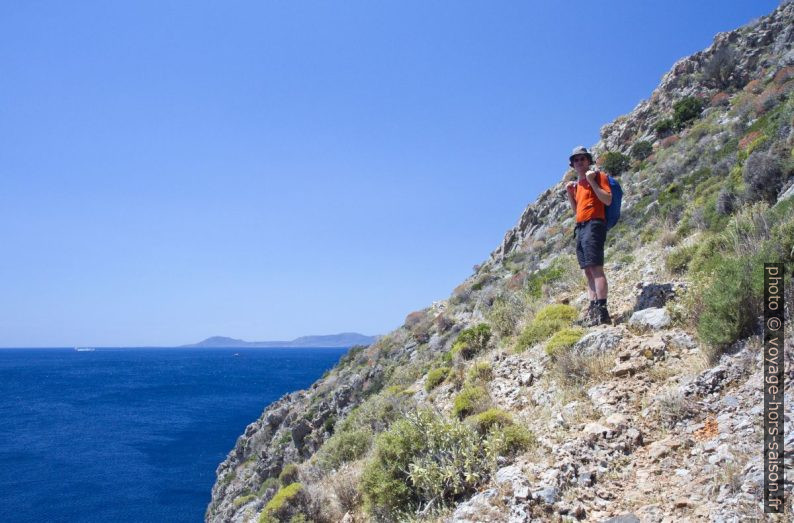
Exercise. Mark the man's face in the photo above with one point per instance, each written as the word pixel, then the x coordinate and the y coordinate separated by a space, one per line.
pixel 581 163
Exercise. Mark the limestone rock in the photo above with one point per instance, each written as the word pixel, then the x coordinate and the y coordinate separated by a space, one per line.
pixel 653 318
pixel 599 341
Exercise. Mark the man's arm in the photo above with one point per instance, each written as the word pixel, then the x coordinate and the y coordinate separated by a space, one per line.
pixel 601 194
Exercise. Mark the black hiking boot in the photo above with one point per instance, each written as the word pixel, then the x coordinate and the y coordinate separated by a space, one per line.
pixel 602 315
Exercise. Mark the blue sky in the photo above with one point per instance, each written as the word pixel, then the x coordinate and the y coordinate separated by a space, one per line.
pixel 173 170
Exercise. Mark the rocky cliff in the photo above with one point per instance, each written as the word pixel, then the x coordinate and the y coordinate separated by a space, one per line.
pixel 493 405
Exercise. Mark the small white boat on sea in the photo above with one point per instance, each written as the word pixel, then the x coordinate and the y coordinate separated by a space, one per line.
pixel 84 349
pixel 236 353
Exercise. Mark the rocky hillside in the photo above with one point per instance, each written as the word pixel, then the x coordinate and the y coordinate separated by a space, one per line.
pixel 493 405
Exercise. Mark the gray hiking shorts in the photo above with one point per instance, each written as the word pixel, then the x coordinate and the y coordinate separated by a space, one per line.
pixel 590 238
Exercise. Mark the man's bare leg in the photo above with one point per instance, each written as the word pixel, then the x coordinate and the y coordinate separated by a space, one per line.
pixel 600 282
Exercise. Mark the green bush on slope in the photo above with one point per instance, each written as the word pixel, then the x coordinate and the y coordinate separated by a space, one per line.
pixel 546 322
pixel 563 339
pixel 472 341
pixel 284 504
pixel 616 163
pixel 470 400
pixel 423 459
pixel 436 377
pixel 641 150
pixel 686 110
pixel 727 270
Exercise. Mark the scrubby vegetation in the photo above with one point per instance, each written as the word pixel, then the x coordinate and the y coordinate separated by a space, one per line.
pixel 510 440
pixel 728 270
pixel 615 163
pixel 284 505
pixel 641 150
pixel 423 459
pixel 344 446
pixel 480 371
pixel 436 377
pixel 546 322
pixel 763 176
pixel 545 277
pixel 686 110
pixel 562 340
pixel 472 341
pixel 289 474
pixel 470 400
pixel 664 127
pixel 490 419
pixel 505 313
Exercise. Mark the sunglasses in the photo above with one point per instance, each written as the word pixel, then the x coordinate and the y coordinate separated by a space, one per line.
pixel 580 158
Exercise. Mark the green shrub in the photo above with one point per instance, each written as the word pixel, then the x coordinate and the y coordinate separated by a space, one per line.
pixel 420 461
pixel 545 276
pixel 686 110
pixel 269 483
pixel 436 377
pixel 649 233
pixel 470 400
pixel 563 339
pixel 376 413
pixel 329 423
pixel 782 235
pixel 472 341
pixel 732 301
pixel 616 163
pixel 726 271
pixel 242 500
pixel 556 312
pixel 546 322
pixel 726 202
pixel 705 252
pixel 664 127
pixel 720 67
pixel 763 176
pixel 289 474
pixel 480 371
pixel 284 504
pixel 678 259
pixel 285 438
pixel 227 478
pixel 641 150
pixel 509 440
pixel 492 418
pixel 505 313
pixel 344 446
pixel 351 355
pixel 670 202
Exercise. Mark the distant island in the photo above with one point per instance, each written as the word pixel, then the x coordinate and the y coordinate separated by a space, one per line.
pixel 344 339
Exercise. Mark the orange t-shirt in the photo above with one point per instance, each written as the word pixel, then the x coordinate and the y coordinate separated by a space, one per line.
pixel 588 206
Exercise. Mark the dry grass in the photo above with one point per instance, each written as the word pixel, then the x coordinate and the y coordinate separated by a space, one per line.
pixel 668 238
pixel 659 372
pixel 689 365
pixel 344 485
pixel 575 371
pixel 671 407
pixel 729 474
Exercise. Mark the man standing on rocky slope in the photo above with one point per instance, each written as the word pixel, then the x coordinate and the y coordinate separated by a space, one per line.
pixel 588 197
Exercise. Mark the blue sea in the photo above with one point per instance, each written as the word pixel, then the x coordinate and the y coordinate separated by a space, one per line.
pixel 131 434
